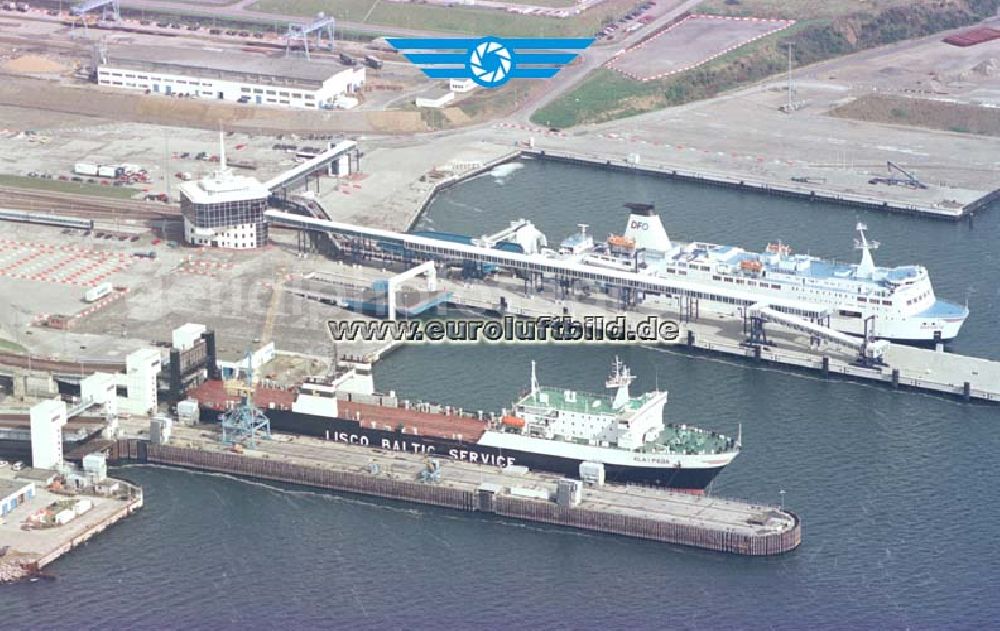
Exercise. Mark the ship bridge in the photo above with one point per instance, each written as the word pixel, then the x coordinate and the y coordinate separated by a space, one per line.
pixel 414 248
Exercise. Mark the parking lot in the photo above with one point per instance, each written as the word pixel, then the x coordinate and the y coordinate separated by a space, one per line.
pixel 690 43
pixel 62 264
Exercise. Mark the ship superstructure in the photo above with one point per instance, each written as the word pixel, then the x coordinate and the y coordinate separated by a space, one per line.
pixel 624 421
pixel 624 433
pixel 898 302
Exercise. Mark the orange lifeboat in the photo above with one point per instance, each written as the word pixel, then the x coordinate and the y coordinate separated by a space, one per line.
pixel 512 421
pixel 751 265
pixel 621 241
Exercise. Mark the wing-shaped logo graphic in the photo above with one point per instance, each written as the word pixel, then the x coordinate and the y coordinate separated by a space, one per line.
pixel 489 61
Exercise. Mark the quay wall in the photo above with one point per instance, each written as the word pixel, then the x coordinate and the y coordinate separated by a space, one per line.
pixel 127 509
pixel 834 368
pixel 770 188
pixel 18 568
pixel 452 180
pixel 460 499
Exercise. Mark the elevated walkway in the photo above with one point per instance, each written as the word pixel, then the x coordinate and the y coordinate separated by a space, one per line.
pixel 331 159
pixel 867 350
pixel 413 248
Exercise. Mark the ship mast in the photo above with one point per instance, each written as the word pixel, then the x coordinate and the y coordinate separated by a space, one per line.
pixel 867 266
pixel 534 379
pixel 620 378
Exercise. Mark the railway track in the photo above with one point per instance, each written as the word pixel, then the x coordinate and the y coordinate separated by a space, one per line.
pixel 86 206
pixel 45 364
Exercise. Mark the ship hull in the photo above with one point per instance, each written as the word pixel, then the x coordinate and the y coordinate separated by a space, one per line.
pixel 350 431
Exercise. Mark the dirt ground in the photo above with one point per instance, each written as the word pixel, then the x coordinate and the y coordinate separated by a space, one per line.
pixel 923 112
pixel 32 64
pixel 89 100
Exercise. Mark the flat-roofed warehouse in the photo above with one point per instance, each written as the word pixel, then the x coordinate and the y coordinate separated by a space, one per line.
pixel 244 78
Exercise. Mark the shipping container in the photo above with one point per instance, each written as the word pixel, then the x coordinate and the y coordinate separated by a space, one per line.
pixel 85 168
pixel 107 170
pixel 96 293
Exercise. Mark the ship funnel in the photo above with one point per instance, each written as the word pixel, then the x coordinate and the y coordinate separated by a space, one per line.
pixel 645 229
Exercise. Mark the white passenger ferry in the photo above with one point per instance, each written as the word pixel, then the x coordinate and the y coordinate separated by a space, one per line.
pixel 898 302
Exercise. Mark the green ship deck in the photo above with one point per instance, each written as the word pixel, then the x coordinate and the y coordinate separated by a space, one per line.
pixel 674 439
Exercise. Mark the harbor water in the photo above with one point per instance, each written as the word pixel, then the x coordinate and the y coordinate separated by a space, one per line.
pixel 897 490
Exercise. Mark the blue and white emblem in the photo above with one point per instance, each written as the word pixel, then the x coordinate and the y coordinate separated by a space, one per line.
pixel 489 61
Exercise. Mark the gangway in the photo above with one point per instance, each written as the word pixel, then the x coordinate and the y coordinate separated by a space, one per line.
pixel 870 352
pixel 304 170
pixel 411 248
pixel 522 232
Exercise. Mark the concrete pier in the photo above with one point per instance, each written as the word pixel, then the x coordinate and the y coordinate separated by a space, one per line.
pixel 953 375
pixel 647 513
pixel 28 551
pixel 772 187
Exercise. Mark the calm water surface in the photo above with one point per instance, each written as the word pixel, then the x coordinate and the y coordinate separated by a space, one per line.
pixel 898 491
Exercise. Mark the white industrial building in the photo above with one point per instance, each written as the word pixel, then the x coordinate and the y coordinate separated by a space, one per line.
pixel 245 78
pixel 14 493
pixel 101 388
pixel 95 467
pixel 47 421
pixel 187 335
pixel 141 370
pixel 238 369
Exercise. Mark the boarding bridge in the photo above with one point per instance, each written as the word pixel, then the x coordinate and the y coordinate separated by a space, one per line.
pixel 869 351
pixel 412 248
pixel 522 232
pixel 340 159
